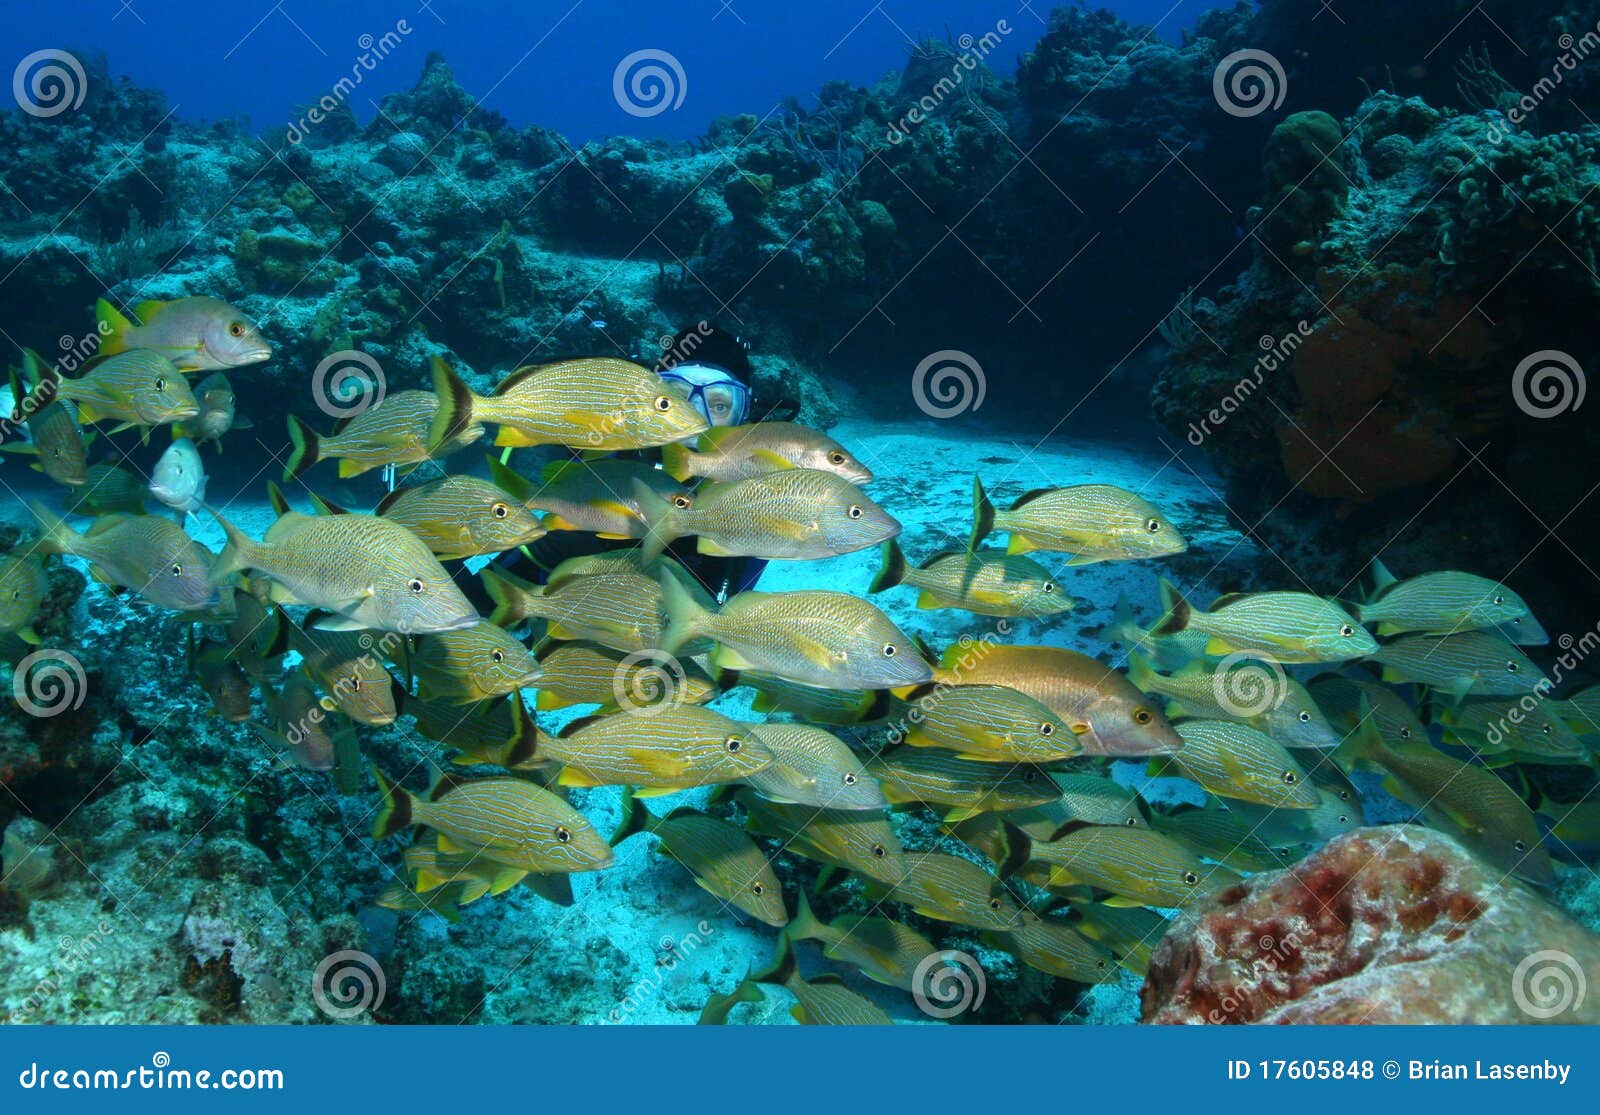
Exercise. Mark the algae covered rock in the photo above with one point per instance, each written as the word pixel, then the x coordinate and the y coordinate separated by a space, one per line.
pixel 1397 924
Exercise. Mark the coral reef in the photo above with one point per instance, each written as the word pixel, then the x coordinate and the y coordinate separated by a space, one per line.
pixel 1382 925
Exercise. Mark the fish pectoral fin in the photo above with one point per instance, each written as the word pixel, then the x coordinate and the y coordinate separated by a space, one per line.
pixel 1386 629
pixel 513 437
pixel 1121 902
pixel 1084 559
pixel 653 791
pixel 1219 648
pixel 574 776
pixel 724 657
pixel 1019 545
pixel 711 548
pixel 29 636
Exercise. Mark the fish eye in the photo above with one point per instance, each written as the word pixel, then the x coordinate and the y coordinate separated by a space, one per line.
pixel 1290 777
pixel 850 779
pixel 1142 716
pixel 1132 822
pixel 415 584
pixel 1405 733
pixel 563 834
pixel 1512 666
pixel 498 656
pixel 734 745
pixel 1305 717
pixel 681 502
pixel 890 650
pixel 994 903
pixel 836 458
pixel 1521 845
pixel 355 682
pixel 758 889
pixel 879 851
pixel 1344 795
pixel 1497 599
pixel 1343 820
pixel 177 570
pixel 1347 631
pixel 499 510
pixel 236 329
pixel 1545 728
pixel 663 403
pixel 1153 526
pixel 1047 729
pixel 161 383
pixel 1100 964
pixel 1190 879
pixel 855 511
pixel 1048 586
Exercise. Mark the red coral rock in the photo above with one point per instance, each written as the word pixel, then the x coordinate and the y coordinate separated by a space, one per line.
pixel 1397 924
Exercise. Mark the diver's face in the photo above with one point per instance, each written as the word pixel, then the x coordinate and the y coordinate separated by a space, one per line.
pixel 721 405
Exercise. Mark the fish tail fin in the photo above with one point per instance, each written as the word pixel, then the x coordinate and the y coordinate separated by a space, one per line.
pixel 512 596
pixel 456 402
pixel 275 497
pixel 1381 578
pixel 1175 611
pixel 783 969
pixel 804 926
pixel 55 536
pixel 113 327
pixel 1364 746
pixel 715 1012
pixel 305 449
pixel 236 556
pixel 396 811
pixel 1140 671
pixel 524 744
pixel 1016 849
pixel 675 461
pixel 636 817
pixel 685 615
pixel 658 518
pixel 982 514
pixel 893 571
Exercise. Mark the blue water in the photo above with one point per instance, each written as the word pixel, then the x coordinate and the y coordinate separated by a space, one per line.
pixel 543 62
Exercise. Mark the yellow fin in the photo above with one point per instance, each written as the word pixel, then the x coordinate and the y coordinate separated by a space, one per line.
pixel 349 468
pixel 706 546
pixel 449 847
pixel 771 460
pixel 552 521
pixel 572 776
pixel 1386 628
pixel 928 600
pixel 429 879
pixel 1019 545
pixel 1219 648
pixel 508 435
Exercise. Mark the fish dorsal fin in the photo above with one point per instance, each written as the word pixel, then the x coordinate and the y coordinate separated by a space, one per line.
pixel 1029 496
pixel 512 482
pixel 516 377
pixel 569 730
pixel 148 310
pixel 388 501
pixel 1225 600
pixel 325 506
pixel 1381 578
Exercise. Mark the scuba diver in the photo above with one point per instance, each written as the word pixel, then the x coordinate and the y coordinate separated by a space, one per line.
pixel 712 367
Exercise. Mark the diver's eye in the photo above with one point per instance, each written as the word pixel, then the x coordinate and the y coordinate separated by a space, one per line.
pixel 236 329
pixel 1290 777
pixel 564 834
pixel 1347 631
pixel 499 510
pixel 663 403
pixel 1048 586
pixel 855 511
pixel 1047 729
pixel 499 656
pixel 1190 879
pixel 836 458
pixel 758 889
pixel 850 779
pixel 1305 718
pixel 879 851
pixel 734 745
pixel 415 584
pixel 1143 716
pixel 1521 845
pixel 890 650
pixel 680 502
pixel 177 570
pixel 1512 666
pixel 994 903
pixel 1153 526
pixel 161 384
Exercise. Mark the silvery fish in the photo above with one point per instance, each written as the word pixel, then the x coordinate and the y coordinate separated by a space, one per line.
pixel 1440 603
pixel 218 412
pixel 149 555
pixel 988 583
pixel 1084 692
pixel 461 516
pixel 367 572
pixel 179 479
pixel 739 452
pixel 1285 627
pixel 795 514
pixel 1247 692
pixel 1475 663
pixel 1236 761
pixel 1341 698
pixel 595 402
pixel 197 333
pixel 1092 522
pixel 1536 734
pixel 811 766
pixel 503 819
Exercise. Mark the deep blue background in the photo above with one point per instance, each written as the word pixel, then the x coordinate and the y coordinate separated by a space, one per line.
pixel 261 58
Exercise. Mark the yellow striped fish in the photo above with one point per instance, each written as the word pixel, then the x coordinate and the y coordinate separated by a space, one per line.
pixel 1581 711
pixel 669 748
pixel 965 786
pixel 349 667
pixel 985 582
pixel 1236 761
pixel 606 598
pixel 596 497
pixel 1057 949
pixel 367 572
pixel 723 860
pixel 1438 603
pixel 1341 698
pixel 1475 663
pixel 148 554
pixel 54 440
pixel 134 388
pixel 1246 692
pixel 990 723
pixel 595 402
pixel 1131 933
pixel 739 452
pixel 108 490
pixel 884 950
pixel 1287 627
pixel 504 819
pixel 461 517
pixel 473 664
pixel 1136 864
pixel 1497 727
pixel 809 702
pixel 950 888
pixel 581 672
pixel 823 1001
pixel 1092 522
pixel 23 585
pixel 855 840
pixel 811 766
pixel 1215 833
